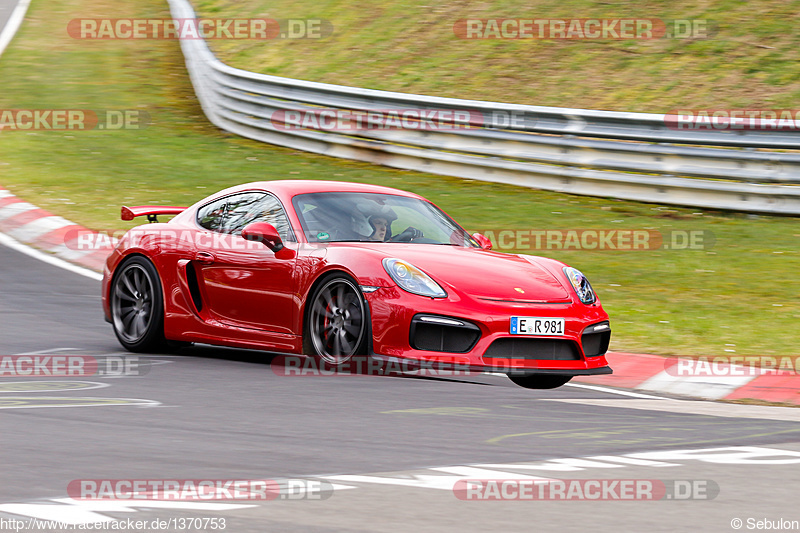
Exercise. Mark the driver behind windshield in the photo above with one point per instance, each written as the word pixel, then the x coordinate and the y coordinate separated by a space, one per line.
pixel 379 227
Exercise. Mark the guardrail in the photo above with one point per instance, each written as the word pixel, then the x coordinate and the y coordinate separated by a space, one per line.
pixel 632 156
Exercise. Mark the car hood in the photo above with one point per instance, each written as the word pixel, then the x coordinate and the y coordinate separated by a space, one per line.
pixel 480 273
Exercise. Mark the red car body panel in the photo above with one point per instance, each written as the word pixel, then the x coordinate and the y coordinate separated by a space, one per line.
pixel 255 298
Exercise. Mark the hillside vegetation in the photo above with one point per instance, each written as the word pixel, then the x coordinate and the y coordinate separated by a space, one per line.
pixel 747 57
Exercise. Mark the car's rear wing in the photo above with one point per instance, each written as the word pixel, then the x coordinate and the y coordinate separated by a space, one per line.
pixel 151 211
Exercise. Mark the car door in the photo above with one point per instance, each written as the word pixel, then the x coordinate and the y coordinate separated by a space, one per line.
pixel 244 284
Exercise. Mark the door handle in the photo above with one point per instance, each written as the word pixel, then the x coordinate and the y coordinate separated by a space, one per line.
pixel 204 258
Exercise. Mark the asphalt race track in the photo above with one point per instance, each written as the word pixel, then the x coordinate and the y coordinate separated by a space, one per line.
pixel 396 445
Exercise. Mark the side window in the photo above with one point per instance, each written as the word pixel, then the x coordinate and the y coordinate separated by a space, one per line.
pixel 232 213
pixel 267 209
pixel 210 216
pixel 241 210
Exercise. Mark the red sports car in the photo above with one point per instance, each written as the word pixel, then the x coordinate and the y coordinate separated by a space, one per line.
pixel 335 270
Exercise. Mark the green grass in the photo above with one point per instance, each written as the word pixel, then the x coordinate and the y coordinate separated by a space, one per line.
pixel 704 302
pixel 750 61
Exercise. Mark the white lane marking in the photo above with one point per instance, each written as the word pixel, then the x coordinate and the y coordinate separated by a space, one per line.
pixel 52 260
pixel 695 407
pixel 615 391
pixel 432 478
pixel 13 23
pixel 19 402
pixel 36 228
pixel 57 388
pixel 631 461
pixel 87 511
pixel 556 465
pixel 42 352
pixel 438 481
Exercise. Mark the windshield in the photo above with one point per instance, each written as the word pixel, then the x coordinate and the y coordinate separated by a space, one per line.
pixel 347 217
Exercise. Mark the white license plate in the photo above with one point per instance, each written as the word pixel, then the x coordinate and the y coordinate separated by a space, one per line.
pixel 534 325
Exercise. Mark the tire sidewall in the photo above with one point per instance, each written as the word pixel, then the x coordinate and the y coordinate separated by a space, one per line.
pixel 154 335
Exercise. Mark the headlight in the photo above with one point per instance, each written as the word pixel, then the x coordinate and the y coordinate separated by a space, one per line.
pixel 581 285
pixel 412 279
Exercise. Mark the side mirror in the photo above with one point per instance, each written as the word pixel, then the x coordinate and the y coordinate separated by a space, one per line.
pixel 264 233
pixel 484 241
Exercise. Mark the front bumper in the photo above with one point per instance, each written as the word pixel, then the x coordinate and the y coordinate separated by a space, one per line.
pixel 395 317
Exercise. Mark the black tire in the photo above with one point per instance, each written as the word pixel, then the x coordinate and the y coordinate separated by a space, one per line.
pixel 137 306
pixel 539 381
pixel 337 321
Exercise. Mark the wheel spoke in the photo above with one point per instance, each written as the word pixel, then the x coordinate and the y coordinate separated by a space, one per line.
pixel 127 319
pixel 352 330
pixel 140 281
pixel 344 343
pixel 330 301
pixel 138 325
pixel 340 296
pixel 127 281
pixel 320 309
pixel 121 292
pixel 355 315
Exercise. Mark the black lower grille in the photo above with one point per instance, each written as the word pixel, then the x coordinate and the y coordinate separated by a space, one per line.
pixel 545 349
pixel 441 334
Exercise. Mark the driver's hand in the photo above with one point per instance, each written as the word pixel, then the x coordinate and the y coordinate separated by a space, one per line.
pixel 408 235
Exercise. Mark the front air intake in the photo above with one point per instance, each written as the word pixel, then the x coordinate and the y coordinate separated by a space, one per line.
pixel 442 334
pixel 526 348
pixel 595 339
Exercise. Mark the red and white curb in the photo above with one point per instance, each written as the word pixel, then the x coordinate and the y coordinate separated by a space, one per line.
pixel 27 224
pixel 709 380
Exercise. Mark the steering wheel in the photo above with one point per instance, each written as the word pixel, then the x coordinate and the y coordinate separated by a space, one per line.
pixel 408 235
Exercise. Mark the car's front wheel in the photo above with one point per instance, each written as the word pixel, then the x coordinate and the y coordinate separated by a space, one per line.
pixel 539 381
pixel 137 306
pixel 336 325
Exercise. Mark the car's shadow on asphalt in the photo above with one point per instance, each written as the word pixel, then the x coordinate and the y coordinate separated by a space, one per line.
pixel 280 361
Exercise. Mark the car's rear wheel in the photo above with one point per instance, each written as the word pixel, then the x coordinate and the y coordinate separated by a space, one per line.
pixel 137 306
pixel 539 381
pixel 336 325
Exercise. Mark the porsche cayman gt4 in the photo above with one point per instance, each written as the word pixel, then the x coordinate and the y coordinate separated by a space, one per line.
pixel 334 271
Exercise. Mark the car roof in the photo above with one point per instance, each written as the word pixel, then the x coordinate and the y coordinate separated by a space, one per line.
pixel 290 188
